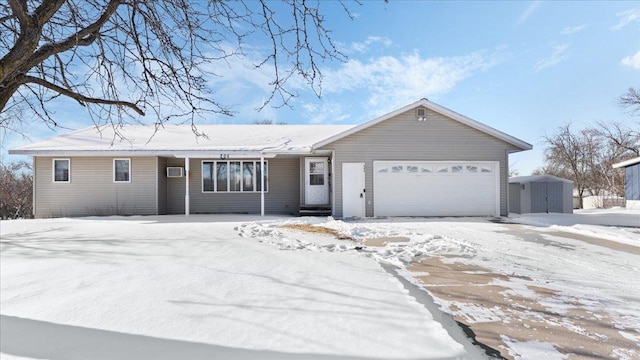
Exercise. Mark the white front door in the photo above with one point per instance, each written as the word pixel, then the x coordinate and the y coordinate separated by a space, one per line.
pixel 353 195
pixel 316 181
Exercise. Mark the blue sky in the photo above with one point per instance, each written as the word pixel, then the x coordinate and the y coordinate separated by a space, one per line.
pixel 522 67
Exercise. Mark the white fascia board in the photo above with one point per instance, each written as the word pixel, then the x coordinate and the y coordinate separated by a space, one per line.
pixel 627 163
pixel 532 178
pixel 234 154
pixel 477 125
pixel 522 145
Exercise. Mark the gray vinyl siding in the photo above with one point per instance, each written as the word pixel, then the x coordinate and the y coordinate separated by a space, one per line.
pixel 92 191
pixel 175 189
pixel 162 186
pixel 632 182
pixel 404 138
pixel 282 197
pixel 514 198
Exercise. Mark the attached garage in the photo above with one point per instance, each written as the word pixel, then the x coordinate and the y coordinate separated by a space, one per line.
pixel 436 188
pixel 540 194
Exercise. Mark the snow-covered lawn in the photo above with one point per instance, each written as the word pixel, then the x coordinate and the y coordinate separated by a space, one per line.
pixel 170 288
pixel 246 288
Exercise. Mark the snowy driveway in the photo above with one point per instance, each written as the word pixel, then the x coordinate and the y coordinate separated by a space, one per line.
pixel 246 288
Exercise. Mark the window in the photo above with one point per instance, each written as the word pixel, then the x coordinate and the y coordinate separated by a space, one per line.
pixel 233 176
pixel 248 176
pixel 456 168
pixel 412 169
pixel 472 168
pixel 259 176
pixel 207 176
pixel 122 170
pixel 61 170
pixel 316 173
pixel 221 176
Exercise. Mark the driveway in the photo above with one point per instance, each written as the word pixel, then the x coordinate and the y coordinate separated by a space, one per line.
pixel 550 286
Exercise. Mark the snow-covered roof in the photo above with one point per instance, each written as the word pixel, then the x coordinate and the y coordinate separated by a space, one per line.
pixel 627 163
pixel 521 145
pixel 239 140
pixel 532 178
pixel 176 140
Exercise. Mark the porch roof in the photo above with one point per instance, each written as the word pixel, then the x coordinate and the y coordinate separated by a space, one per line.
pixel 181 141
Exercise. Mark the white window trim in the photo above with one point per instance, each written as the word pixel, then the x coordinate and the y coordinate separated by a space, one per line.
pixel 256 180
pixel 114 171
pixel 53 170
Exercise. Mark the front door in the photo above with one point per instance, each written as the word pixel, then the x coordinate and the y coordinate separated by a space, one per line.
pixel 353 196
pixel 316 181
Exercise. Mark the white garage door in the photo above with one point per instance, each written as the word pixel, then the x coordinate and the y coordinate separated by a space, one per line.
pixel 454 188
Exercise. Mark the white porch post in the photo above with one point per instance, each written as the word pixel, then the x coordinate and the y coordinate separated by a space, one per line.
pixel 186 192
pixel 261 185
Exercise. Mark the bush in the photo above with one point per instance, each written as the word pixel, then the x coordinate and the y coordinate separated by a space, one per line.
pixel 16 190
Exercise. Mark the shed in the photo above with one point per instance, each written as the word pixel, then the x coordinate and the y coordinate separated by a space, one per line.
pixel 540 194
pixel 631 181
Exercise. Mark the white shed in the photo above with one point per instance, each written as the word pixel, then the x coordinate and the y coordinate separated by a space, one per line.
pixel 540 194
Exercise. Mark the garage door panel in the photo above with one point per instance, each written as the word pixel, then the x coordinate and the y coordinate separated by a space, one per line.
pixel 409 188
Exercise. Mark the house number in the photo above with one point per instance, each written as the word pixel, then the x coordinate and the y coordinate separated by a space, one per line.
pixel 224 156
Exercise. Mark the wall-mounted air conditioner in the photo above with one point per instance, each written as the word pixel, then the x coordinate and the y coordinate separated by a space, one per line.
pixel 175 171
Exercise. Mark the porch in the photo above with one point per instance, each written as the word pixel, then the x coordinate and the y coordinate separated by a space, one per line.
pixel 285 184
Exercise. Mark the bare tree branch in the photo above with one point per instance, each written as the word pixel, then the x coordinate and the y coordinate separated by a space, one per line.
pixel 81 98
pixel 631 100
pixel 124 58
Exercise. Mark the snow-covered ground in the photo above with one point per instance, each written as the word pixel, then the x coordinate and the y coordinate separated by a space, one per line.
pixel 244 287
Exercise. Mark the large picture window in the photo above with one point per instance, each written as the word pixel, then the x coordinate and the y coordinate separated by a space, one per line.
pixel 122 170
pixel 233 176
pixel 61 170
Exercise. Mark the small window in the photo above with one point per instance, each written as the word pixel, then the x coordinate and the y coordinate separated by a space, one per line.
pixel 456 169
pixel 426 169
pixel 61 170
pixel 412 169
pixel 486 169
pixel 316 173
pixel 396 169
pixel 442 169
pixel 472 168
pixel 121 170
pixel 383 169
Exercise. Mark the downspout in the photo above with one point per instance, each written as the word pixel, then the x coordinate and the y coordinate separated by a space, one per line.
pixel 157 185
pixel 186 192
pixel 262 184
pixel 333 183
pixel 33 188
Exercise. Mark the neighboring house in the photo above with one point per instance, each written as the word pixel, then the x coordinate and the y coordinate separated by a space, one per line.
pixel 419 160
pixel 631 182
pixel 596 199
pixel 540 194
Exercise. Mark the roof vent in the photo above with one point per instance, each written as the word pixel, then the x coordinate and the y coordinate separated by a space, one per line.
pixel 421 114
